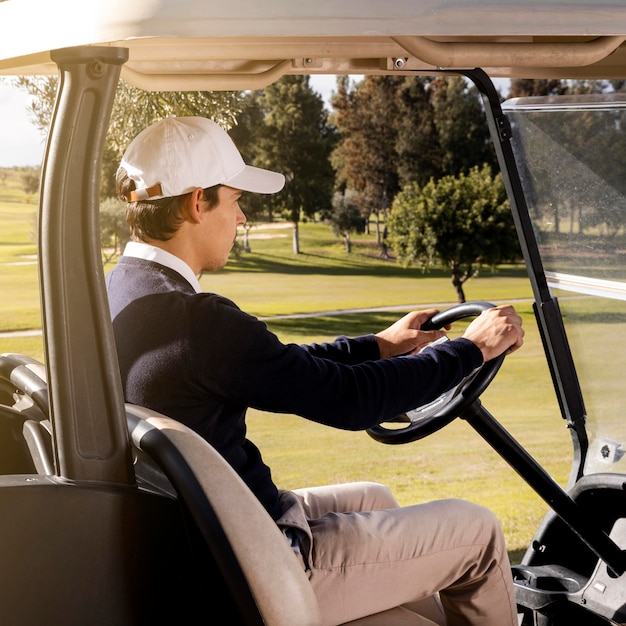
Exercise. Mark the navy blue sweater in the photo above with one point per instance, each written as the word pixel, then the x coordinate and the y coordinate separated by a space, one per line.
pixel 201 360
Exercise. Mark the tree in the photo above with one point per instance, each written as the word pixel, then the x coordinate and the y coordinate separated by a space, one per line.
pixel 420 156
pixel 294 138
pixel 30 180
pixel 461 126
pixel 459 222
pixel 366 157
pixel 346 217
pixel 133 110
pixel 394 130
pixel 114 233
pixel 521 87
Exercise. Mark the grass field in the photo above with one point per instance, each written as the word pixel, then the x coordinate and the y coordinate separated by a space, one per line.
pixel 272 281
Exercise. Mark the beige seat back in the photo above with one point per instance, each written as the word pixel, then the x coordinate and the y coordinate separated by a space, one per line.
pixel 278 583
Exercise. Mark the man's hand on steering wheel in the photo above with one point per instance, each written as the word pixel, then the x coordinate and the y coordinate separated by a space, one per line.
pixel 406 337
pixel 496 331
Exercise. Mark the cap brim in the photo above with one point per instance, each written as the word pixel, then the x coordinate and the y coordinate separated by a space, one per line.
pixel 256 180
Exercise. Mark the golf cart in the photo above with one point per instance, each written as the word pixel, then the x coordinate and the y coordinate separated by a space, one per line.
pixel 112 514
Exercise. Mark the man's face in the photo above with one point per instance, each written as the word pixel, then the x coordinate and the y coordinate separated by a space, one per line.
pixel 220 228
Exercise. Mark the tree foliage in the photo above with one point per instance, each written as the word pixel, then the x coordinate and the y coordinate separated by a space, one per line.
pixel 30 180
pixel 366 157
pixel 461 125
pixel 346 217
pixel 284 127
pixel 521 87
pixel 420 153
pixel 460 222
pixel 114 233
pixel 394 130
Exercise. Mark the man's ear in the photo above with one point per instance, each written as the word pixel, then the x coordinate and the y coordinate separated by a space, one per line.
pixel 193 205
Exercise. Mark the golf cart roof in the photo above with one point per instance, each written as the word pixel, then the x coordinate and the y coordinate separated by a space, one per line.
pixel 246 44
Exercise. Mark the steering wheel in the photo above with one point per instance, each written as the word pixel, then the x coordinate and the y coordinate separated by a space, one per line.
pixel 427 419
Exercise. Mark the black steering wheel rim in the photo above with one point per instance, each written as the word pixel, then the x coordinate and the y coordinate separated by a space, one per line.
pixel 424 421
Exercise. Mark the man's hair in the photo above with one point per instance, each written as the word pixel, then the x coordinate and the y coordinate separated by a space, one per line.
pixel 155 219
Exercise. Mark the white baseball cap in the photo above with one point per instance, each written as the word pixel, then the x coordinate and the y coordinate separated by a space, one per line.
pixel 176 155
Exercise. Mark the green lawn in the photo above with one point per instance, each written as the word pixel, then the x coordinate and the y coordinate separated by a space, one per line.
pixel 273 281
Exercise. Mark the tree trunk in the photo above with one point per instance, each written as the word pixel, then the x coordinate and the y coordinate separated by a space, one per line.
pixel 555 217
pixel 457 283
pixel 296 238
pixel 378 233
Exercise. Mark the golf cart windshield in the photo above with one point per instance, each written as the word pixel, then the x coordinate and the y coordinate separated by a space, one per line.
pixel 571 156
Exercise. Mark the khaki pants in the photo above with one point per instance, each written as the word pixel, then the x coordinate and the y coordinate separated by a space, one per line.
pixel 364 554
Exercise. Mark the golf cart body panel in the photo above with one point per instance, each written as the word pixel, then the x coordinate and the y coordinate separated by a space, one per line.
pixel 87 502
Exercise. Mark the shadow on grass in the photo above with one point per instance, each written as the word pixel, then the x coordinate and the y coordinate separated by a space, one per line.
pixel 307 263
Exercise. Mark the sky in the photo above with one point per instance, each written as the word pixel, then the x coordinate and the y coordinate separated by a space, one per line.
pixel 22 144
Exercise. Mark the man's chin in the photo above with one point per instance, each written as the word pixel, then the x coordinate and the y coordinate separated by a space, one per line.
pixel 214 267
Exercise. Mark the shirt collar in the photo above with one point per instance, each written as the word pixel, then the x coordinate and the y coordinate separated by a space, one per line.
pixel 145 251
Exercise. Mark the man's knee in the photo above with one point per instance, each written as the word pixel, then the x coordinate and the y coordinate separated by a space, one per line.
pixel 471 510
pixel 378 495
pixel 475 519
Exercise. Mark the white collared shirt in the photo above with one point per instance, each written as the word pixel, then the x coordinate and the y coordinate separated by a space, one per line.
pixel 145 251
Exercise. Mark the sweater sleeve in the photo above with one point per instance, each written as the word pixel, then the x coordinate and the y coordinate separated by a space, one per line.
pixel 246 364
pixel 346 350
